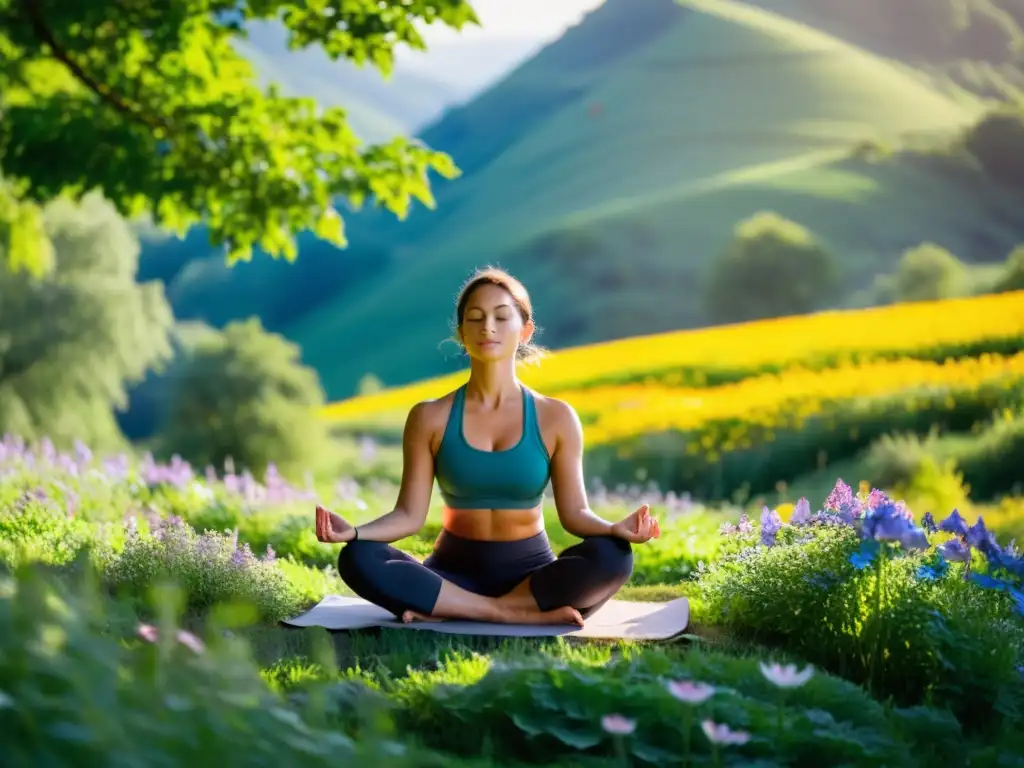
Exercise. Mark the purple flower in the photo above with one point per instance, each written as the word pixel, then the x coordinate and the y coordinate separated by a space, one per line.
pixel 955 551
pixel 840 497
pixel 771 524
pixel 889 522
pixel 928 523
pixel 745 526
pixel 954 524
pixel 801 513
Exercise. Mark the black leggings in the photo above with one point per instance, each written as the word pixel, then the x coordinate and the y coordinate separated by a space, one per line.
pixel 584 576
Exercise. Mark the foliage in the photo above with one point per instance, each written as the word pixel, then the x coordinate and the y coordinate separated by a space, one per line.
pixel 211 569
pixel 925 273
pixel 830 588
pixel 72 692
pixel 72 340
pixel 176 126
pixel 773 267
pixel 244 395
pixel 997 141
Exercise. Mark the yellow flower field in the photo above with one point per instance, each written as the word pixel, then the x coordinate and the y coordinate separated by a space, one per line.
pixel 810 341
pixel 765 403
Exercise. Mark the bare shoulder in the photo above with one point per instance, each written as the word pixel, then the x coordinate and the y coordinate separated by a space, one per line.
pixel 557 417
pixel 427 418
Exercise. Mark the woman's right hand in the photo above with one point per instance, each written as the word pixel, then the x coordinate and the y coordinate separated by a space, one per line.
pixel 332 529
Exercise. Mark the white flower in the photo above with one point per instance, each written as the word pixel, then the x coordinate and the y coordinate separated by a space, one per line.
pixel 722 734
pixel 691 693
pixel 618 725
pixel 787 676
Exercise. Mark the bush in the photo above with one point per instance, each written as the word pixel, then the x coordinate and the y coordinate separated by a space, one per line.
pixel 245 397
pixel 925 273
pixel 211 569
pixel 772 267
pixel 1012 278
pixel 830 588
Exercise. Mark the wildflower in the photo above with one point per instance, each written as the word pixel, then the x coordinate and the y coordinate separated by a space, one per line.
pixel 786 676
pixel 190 641
pixel 955 551
pixel 928 523
pixel 745 526
pixel 270 555
pixel 690 693
pixel 954 524
pixel 771 524
pixel 722 734
pixel 1018 598
pixel 727 529
pixel 801 513
pixel 617 725
pixel 888 523
pixel 147 632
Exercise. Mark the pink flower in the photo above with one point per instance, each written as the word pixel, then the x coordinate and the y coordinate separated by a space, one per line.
pixel 190 641
pixel 147 632
pixel 787 676
pixel 617 725
pixel 691 693
pixel 722 734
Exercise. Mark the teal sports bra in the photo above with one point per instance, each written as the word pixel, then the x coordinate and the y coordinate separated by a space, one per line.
pixel 470 478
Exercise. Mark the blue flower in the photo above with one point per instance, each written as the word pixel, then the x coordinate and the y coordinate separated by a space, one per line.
pixel 954 524
pixel 864 556
pixel 888 522
pixel 955 551
pixel 1018 598
pixel 928 522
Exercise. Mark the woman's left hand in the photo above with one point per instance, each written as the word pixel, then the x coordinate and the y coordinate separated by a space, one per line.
pixel 639 527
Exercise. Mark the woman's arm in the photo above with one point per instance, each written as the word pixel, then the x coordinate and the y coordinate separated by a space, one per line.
pixel 410 512
pixel 567 481
pixel 574 512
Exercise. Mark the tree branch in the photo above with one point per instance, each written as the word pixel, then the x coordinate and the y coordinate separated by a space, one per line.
pixel 43 32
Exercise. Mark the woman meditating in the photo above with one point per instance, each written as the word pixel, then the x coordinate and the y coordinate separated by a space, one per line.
pixel 492 445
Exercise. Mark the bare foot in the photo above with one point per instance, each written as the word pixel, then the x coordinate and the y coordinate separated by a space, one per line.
pixel 410 616
pixel 565 615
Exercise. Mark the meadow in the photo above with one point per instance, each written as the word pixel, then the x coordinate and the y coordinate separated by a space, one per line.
pixel 879 622
pixel 139 610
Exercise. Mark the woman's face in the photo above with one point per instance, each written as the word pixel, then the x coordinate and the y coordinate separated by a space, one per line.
pixel 492 327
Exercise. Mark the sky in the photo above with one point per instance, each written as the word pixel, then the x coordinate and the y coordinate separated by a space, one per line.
pixel 536 19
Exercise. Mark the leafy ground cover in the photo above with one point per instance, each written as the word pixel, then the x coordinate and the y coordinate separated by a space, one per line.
pixel 138 612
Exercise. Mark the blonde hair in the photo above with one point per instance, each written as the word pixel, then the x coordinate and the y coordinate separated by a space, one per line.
pixel 527 351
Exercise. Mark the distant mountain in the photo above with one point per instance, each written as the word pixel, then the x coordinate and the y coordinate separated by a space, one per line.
pixel 606 170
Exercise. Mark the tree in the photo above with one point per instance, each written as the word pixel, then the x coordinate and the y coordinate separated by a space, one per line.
pixel 926 273
pixel 244 394
pixel 1012 278
pixel 72 340
pixel 149 103
pixel 772 267
pixel 997 141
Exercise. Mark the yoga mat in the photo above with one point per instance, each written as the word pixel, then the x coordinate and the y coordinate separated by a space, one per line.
pixel 616 619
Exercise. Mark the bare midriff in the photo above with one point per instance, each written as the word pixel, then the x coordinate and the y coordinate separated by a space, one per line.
pixel 493 524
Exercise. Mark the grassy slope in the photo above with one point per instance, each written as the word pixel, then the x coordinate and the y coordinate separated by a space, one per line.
pixel 728 111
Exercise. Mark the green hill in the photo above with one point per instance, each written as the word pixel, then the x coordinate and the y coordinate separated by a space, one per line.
pixel 607 181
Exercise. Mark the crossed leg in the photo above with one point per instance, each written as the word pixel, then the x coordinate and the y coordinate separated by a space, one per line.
pixel 582 579
pixel 394 580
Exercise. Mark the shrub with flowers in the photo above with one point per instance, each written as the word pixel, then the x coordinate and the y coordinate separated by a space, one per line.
pixel 915 611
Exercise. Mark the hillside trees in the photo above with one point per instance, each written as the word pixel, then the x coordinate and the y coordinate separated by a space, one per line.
pixel 925 273
pixel 244 394
pixel 150 104
pixel 997 141
pixel 71 340
pixel 1012 278
pixel 771 267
